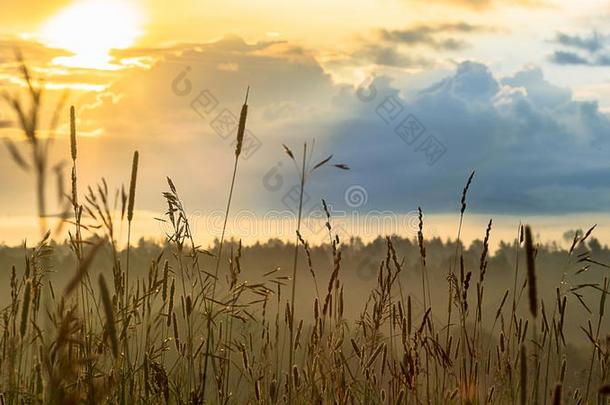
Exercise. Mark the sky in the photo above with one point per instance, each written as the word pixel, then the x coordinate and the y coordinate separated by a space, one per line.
pixel 412 94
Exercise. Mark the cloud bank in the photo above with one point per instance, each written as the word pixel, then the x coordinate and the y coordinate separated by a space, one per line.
pixel 535 149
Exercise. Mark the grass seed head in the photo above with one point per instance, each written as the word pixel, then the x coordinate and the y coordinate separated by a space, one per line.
pixel 132 185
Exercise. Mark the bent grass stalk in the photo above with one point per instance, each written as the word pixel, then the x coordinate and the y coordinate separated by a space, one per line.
pixel 451 268
pixel 304 173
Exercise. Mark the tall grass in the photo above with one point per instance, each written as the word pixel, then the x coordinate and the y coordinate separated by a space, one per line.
pixel 30 118
pixel 304 174
pixel 241 129
pixel 182 334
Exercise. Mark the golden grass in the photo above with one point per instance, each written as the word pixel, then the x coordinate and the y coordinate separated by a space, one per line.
pixel 182 334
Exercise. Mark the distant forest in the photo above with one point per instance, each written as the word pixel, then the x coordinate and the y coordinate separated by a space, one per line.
pixel 359 261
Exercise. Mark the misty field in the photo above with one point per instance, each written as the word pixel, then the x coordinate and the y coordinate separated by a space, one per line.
pixel 396 321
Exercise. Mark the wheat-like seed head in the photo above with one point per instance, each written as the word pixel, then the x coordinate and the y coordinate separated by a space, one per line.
pixel 531 272
pixel 25 310
pixel 132 185
pixel 72 133
pixel 241 129
pixel 464 193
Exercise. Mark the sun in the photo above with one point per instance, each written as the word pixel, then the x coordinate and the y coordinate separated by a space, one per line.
pixel 90 29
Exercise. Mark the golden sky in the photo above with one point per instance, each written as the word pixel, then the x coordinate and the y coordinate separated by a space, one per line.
pixel 502 84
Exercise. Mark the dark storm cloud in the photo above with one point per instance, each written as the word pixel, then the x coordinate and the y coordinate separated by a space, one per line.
pixel 535 149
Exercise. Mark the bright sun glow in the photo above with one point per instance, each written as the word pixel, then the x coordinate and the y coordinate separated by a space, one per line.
pixel 90 29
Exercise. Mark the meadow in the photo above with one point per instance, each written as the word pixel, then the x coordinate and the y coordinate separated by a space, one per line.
pixel 91 321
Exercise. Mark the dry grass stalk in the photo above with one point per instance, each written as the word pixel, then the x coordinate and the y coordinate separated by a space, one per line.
pixel 239 141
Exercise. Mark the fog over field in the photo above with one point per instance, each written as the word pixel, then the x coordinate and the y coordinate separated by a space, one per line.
pixel 306 202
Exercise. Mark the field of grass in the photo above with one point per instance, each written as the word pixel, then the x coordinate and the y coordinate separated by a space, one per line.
pixel 197 328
